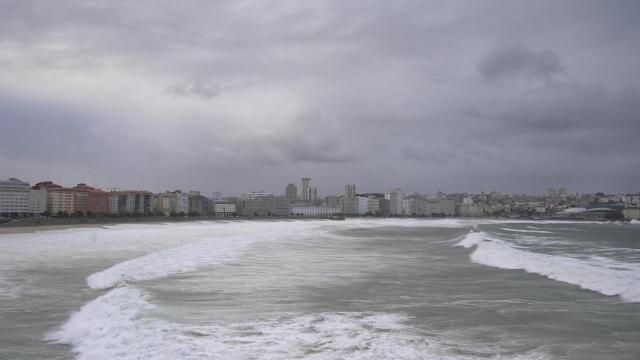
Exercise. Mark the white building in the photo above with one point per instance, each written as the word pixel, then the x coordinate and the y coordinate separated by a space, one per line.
pixel 216 196
pixel 395 202
pixel 363 205
pixel 471 210
pixel 305 189
pixel 37 201
pixel 326 211
pixel 350 202
pixel 315 211
pixel 14 196
pixel 61 200
pixel 255 195
pixel 309 211
pixel 224 209
pixel 408 207
pixel 182 202
pixel 373 205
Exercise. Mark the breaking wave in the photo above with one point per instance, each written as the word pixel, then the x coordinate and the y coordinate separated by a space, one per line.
pixel 172 261
pixel 607 277
pixel 119 325
pixel 526 231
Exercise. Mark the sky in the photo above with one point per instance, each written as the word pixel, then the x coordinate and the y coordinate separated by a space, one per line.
pixel 236 96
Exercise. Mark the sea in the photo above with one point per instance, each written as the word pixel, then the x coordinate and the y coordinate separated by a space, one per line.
pixel 322 289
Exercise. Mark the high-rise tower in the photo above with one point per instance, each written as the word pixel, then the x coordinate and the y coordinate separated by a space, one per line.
pixel 305 188
pixel 291 192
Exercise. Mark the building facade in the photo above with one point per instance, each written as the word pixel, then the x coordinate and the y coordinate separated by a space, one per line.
pixel 395 202
pixel 169 202
pixel 61 200
pixel 130 202
pixel 350 202
pixel 14 196
pixel 363 205
pixel 271 206
pixel 374 205
pixel 37 200
pixel 305 188
pixel 199 204
pixel 224 209
pixel 631 213
pixel 291 192
pixel 91 200
pixel 314 211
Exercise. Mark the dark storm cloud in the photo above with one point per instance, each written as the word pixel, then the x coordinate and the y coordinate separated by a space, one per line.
pixel 42 131
pixel 325 152
pixel 516 60
pixel 242 95
pixel 588 117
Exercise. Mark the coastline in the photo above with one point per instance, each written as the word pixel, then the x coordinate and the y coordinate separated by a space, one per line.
pixel 63 224
pixel 53 224
pixel 37 228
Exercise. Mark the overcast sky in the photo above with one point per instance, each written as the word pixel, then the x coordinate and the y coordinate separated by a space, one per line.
pixel 512 96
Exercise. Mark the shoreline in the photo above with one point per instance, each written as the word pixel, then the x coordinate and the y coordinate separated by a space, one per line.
pixel 65 224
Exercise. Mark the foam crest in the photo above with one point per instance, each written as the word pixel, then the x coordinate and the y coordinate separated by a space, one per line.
pixel 607 277
pixel 119 325
pixel 472 239
pixel 171 261
pixel 526 231
pixel 634 222
pixel 103 326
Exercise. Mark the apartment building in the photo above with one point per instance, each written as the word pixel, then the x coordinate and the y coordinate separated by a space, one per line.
pixel 14 196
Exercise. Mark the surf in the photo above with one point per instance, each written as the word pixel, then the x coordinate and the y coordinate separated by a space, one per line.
pixel 609 277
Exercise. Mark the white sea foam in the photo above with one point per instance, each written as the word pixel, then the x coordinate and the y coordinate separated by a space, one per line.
pixel 606 277
pixel 225 245
pixel 527 231
pixel 120 325
pixel 634 222
pixel 178 260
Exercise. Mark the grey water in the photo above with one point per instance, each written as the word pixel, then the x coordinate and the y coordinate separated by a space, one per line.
pixel 355 289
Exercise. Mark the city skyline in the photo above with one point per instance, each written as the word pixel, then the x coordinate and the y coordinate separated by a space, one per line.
pixel 292 191
pixel 228 96
pixel 321 192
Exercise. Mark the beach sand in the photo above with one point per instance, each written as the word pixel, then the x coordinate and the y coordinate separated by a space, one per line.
pixel 31 229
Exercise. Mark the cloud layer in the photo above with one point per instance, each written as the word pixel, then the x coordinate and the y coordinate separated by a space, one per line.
pixel 247 95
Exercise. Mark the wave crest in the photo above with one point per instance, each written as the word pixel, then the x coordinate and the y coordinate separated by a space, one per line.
pixel 608 278
pixel 117 326
pixel 172 261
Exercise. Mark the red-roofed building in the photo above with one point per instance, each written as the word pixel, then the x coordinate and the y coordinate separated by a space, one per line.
pixel 90 199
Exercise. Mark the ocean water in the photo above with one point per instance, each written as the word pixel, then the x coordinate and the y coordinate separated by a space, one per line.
pixel 355 289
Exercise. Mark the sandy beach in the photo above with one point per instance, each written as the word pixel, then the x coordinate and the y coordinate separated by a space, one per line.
pixel 31 229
